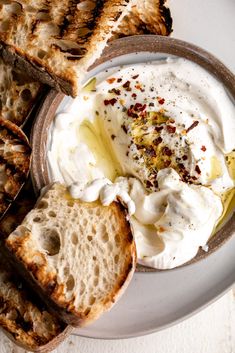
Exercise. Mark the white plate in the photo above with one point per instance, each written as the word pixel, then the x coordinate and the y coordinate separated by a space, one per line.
pixel 154 301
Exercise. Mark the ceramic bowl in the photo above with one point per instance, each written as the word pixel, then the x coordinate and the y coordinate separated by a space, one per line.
pixel 148 46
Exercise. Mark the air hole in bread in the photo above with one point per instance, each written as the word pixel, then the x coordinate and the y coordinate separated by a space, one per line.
pixel 98 212
pixel 89 238
pixel 105 263
pixel 5 25
pixel 74 238
pixel 105 237
pixel 66 271
pixel 42 205
pixel 110 246
pixel 41 53
pixel 116 259
pixel 117 239
pixel 37 219
pixel 70 203
pixel 82 288
pixel 96 270
pixel 52 214
pixel 26 95
pixel 70 283
pixel 92 299
pixel 96 281
pixel 105 280
pixel 51 241
pixel 84 222
pixel 87 311
pixel 94 258
pixel 93 230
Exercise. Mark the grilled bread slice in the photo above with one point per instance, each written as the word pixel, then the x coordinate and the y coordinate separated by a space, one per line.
pixel 57 41
pixel 14 162
pixel 23 317
pixel 18 94
pixel 146 17
pixel 80 256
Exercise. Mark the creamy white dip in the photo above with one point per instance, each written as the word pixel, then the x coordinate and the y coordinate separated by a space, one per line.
pixel 154 135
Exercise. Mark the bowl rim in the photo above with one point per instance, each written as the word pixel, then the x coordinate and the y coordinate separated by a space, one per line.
pixel 119 47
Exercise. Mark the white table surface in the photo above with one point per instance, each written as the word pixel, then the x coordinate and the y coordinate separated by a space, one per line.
pixel 211 25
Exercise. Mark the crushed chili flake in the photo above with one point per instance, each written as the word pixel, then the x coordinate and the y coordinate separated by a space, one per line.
pixel 111 80
pixel 113 136
pixel 139 107
pixel 157 141
pixel 126 84
pixel 166 151
pixel 110 101
pixel 119 80
pixel 151 104
pixel 115 91
pixel 184 157
pixel 158 128
pixel 167 163
pixel 194 124
pixel 203 148
pixel 197 169
pixel 135 77
pixel 161 100
pixel 134 95
pixel 171 129
pixel 138 86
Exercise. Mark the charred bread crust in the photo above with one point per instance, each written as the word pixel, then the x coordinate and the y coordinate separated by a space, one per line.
pixel 23 316
pixel 137 23
pixel 15 160
pixel 58 42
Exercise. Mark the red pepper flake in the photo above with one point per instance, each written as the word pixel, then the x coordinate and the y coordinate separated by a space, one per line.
pixel 115 91
pixel 126 84
pixel 203 148
pixel 167 164
pixel 134 95
pixel 158 128
pixel 110 101
pixel 166 151
pixel 139 107
pixel 171 129
pixel 119 80
pixel 111 80
pixel 194 124
pixel 197 169
pixel 157 141
pixel 161 100
pixel 184 157
pixel 138 86
pixel 135 77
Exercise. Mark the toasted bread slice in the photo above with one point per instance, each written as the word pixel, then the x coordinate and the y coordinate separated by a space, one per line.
pixel 18 94
pixel 14 162
pixel 57 41
pixel 80 256
pixel 146 17
pixel 23 317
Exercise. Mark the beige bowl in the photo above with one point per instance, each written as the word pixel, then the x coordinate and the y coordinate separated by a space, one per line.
pixel 152 44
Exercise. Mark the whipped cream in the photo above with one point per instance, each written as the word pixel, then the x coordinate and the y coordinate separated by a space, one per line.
pixel 154 136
